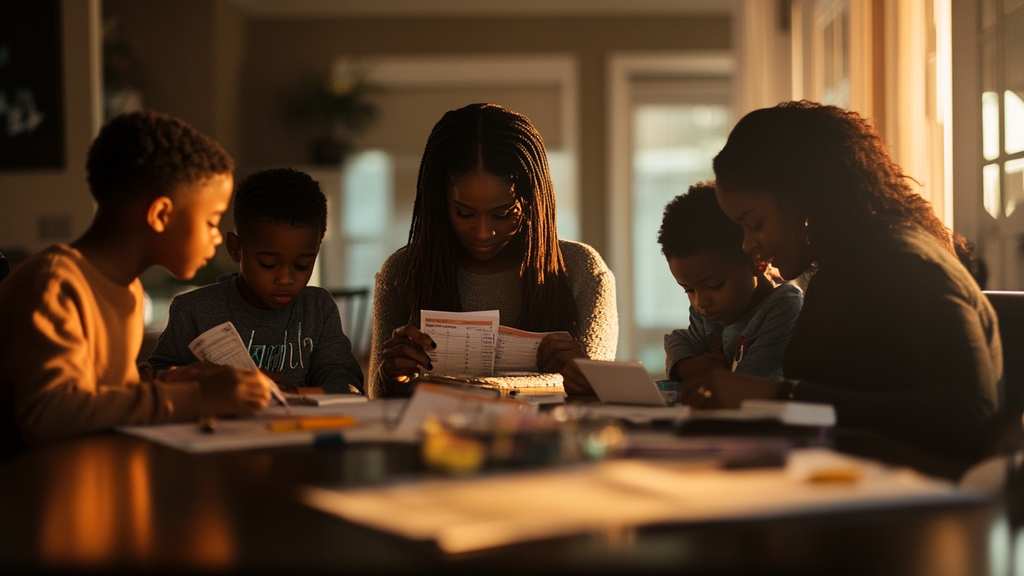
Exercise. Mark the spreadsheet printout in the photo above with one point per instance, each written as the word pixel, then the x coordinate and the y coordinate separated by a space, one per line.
pixel 465 341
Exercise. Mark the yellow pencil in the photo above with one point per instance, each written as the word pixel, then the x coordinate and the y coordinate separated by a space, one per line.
pixel 311 423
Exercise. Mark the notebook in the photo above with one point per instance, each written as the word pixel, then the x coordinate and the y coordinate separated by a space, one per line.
pixel 621 382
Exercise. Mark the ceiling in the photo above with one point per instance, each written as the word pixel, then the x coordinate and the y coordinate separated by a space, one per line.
pixel 378 8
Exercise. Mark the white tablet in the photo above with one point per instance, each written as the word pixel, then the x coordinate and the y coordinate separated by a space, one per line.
pixel 621 382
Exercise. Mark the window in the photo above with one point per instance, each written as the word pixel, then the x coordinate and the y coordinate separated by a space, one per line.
pixel 678 127
pixel 670 114
pixel 1001 42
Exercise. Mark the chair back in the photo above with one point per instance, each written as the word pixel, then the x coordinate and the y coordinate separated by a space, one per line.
pixel 354 306
pixel 1009 307
pixel 1007 431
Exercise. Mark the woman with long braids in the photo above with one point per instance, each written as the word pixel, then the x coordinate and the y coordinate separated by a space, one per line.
pixel 894 332
pixel 483 237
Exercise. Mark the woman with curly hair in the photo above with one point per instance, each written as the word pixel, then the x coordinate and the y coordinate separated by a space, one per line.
pixel 483 237
pixel 894 331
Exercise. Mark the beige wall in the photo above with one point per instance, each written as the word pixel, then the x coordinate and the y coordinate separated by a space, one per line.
pixel 189 56
pixel 26 196
pixel 204 61
pixel 279 51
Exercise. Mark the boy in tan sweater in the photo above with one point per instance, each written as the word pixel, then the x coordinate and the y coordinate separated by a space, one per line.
pixel 71 316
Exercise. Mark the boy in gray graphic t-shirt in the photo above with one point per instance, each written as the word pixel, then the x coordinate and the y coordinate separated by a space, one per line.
pixel 740 320
pixel 292 331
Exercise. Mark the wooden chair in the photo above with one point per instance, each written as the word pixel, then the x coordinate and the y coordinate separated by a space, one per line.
pixel 354 305
pixel 1007 432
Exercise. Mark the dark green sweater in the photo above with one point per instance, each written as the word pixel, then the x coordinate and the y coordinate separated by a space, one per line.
pixel 900 339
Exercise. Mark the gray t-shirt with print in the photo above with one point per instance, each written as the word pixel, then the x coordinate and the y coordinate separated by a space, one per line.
pixel 304 340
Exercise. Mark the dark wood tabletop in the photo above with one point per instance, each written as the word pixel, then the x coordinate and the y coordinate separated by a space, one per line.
pixel 109 502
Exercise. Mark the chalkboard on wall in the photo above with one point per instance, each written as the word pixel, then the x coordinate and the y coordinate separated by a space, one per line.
pixel 31 85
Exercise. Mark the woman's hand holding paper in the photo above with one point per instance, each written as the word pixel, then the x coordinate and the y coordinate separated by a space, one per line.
pixel 404 354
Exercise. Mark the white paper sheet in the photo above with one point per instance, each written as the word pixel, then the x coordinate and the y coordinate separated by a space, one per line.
pixel 223 345
pixel 442 400
pixel 516 350
pixel 463 515
pixel 375 422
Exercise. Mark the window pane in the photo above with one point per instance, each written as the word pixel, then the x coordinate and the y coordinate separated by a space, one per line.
pixel 990 125
pixel 366 215
pixel 1014 122
pixel 1014 184
pixel 990 189
pixel 835 30
pixel 366 203
pixel 673 148
pixel 563 177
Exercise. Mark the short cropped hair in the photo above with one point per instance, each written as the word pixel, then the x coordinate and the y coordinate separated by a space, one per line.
pixel 143 155
pixel 280 196
pixel 695 224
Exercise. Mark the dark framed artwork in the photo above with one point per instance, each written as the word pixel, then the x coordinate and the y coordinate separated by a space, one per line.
pixel 31 85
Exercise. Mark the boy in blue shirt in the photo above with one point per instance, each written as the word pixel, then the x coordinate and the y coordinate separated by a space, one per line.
pixel 292 331
pixel 740 319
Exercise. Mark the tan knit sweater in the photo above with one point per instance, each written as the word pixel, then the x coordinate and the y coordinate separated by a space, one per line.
pixel 591 282
pixel 69 338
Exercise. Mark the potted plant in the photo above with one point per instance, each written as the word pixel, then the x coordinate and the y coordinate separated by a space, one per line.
pixel 336 107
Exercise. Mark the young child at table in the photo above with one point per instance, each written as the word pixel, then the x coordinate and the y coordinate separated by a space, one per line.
pixel 740 319
pixel 72 315
pixel 292 331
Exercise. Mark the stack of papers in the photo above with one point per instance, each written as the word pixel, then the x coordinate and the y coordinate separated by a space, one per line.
pixel 392 420
pixel 463 515
pixel 372 422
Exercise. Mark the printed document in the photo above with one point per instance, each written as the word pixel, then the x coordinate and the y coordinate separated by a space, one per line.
pixel 516 350
pixel 223 345
pixel 471 344
pixel 465 341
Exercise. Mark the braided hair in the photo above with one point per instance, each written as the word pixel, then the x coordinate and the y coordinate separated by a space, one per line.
pixel 486 138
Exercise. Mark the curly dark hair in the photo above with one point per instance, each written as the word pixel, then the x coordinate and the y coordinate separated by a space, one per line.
pixel 149 154
pixel 490 139
pixel 280 196
pixel 694 223
pixel 831 165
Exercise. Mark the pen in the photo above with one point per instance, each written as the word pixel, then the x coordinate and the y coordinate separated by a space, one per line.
pixel 741 348
pixel 275 391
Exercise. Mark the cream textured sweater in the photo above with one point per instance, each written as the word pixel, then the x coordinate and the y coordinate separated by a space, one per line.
pixel 591 282
pixel 69 338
